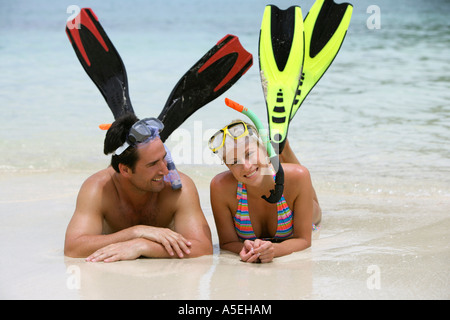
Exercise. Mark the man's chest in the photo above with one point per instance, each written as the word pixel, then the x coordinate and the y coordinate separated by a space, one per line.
pixel 122 216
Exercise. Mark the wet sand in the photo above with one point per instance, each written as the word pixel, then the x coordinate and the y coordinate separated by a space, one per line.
pixel 368 247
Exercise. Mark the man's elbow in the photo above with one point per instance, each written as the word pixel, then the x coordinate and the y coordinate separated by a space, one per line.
pixel 72 250
pixel 199 249
pixel 71 253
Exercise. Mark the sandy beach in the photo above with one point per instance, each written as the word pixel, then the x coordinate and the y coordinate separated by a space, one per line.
pixel 362 251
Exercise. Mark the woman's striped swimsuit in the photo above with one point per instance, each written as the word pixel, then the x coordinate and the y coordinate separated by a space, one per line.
pixel 243 225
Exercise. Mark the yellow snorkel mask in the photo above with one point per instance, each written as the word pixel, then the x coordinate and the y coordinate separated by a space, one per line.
pixel 236 130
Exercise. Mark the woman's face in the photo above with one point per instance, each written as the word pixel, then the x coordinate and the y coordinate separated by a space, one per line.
pixel 247 160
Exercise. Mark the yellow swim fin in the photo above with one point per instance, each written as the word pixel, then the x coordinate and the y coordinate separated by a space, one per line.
pixel 325 28
pixel 280 61
pixel 293 56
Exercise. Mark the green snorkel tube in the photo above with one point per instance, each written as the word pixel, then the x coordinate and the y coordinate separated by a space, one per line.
pixel 275 194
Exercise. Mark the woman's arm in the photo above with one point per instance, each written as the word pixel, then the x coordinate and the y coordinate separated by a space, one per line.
pixel 302 210
pixel 219 194
pixel 288 155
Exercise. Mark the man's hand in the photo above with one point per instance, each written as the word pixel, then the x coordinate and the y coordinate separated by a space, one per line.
pixel 170 240
pixel 127 250
pixel 133 249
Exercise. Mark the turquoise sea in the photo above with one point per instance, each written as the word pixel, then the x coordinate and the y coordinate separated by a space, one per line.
pixel 374 132
pixel 378 119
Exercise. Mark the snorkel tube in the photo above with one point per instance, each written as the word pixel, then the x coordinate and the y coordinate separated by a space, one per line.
pixel 275 194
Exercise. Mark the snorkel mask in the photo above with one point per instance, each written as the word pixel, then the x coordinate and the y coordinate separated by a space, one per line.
pixel 234 131
pixel 142 131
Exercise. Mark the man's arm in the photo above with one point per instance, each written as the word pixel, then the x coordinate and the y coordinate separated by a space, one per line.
pixel 132 249
pixel 190 221
pixel 84 236
pixel 84 232
pixel 191 236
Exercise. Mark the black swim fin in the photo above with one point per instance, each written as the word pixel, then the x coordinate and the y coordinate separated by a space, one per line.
pixel 211 76
pixel 100 60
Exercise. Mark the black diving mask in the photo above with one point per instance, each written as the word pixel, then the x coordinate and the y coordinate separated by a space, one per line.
pixel 142 131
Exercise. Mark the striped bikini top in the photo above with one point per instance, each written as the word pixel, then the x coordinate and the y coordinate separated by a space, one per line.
pixel 243 225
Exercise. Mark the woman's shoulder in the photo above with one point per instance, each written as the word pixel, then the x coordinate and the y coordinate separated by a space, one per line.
pixel 224 181
pixel 223 189
pixel 296 180
pixel 295 172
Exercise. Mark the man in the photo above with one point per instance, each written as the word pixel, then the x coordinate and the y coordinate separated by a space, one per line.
pixel 127 210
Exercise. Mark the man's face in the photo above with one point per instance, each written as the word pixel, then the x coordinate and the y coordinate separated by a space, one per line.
pixel 151 167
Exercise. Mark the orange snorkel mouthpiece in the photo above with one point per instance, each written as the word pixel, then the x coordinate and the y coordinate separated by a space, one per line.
pixel 105 126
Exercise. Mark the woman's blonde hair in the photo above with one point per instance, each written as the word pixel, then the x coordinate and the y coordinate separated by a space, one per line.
pixel 253 135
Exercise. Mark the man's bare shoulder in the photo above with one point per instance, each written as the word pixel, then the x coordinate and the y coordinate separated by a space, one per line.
pixel 99 182
pixel 187 190
pixel 186 180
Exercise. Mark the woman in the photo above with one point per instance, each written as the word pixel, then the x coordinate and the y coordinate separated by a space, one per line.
pixel 247 224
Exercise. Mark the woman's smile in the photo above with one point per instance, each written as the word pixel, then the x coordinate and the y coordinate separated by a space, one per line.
pixel 251 173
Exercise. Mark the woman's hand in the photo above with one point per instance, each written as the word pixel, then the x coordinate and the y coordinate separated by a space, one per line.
pixel 247 253
pixel 265 250
pixel 257 251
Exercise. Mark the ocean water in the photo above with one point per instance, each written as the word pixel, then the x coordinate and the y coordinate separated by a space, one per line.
pixel 374 134
pixel 377 122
